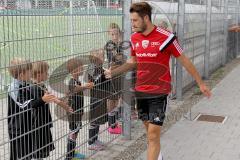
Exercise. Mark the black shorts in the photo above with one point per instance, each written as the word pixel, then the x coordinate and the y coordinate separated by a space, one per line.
pixel 98 111
pixel 116 87
pixel 152 109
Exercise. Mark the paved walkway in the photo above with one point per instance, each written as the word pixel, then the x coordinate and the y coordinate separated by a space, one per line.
pixel 197 140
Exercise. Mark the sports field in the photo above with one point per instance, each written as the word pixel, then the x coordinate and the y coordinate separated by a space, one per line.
pixel 51 38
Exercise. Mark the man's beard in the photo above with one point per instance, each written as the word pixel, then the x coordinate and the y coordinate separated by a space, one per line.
pixel 143 28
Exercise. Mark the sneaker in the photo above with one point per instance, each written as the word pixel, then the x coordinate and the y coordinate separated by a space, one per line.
pixel 78 155
pixel 116 130
pixel 160 157
pixel 96 147
pixel 98 142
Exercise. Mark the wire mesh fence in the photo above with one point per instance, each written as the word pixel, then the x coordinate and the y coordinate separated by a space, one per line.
pixel 69 113
pixel 232 19
pixel 76 111
pixel 204 27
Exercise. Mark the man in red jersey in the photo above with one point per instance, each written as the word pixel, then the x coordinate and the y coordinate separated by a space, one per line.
pixel 151 50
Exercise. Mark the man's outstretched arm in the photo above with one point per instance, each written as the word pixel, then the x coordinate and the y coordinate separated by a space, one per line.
pixel 187 64
pixel 129 65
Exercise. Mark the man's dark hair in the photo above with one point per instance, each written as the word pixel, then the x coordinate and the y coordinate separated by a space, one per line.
pixel 142 8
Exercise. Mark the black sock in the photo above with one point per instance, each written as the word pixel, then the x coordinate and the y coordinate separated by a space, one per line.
pixel 93 134
pixel 71 144
pixel 112 119
pixel 119 113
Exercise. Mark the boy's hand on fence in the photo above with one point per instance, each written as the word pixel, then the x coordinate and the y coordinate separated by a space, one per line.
pixel 64 105
pixel 89 85
pixel 48 98
pixel 108 73
pixel 69 110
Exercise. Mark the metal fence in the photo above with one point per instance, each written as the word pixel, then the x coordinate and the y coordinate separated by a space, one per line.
pixel 233 38
pixel 59 34
pixel 202 29
pixel 62 32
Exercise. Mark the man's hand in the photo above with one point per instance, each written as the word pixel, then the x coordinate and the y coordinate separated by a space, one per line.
pixel 79 88
pixel 129 65
pixel 108 73
pixel 205 90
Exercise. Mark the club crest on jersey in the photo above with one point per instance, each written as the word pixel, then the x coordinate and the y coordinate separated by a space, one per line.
pixel 145 43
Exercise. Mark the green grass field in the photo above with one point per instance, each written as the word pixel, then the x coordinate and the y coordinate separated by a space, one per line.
pixel 51 38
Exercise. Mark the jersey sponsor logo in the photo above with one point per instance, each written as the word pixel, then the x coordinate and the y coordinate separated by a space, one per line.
pixel 153 44
pixel 145 43
pixel 146 54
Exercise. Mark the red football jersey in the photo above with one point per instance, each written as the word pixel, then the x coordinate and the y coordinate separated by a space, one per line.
pixel 153 54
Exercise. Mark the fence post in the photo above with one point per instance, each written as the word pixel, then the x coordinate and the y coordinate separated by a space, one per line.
pixel 126 99
pixel 88 6
pixel 107 4
pixel 36 3
pixel 53 4
pixel 71 25
pixel 208 40
pixel 224 56
pixel 5 3
pixel 180 32
pixel 237 23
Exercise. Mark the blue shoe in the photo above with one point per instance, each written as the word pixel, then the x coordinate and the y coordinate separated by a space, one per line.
pixel 78 155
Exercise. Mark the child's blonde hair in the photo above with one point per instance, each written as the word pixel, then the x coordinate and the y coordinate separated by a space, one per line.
pixel 39 67
pixel 73 64
pixel 18 66
pixel 114 26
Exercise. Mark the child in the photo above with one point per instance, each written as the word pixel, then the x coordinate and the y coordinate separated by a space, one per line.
pixel 115 58
pixel 98 108
pixel 42 136
pixel 76 101
pixel 21 102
